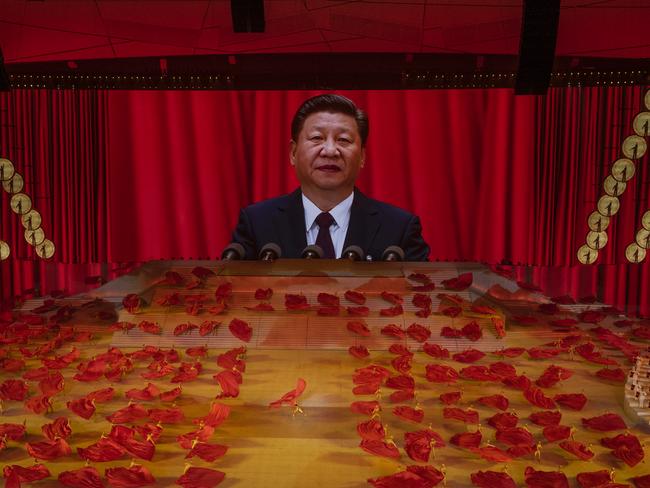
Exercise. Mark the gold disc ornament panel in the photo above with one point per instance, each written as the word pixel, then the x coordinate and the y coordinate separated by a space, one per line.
pixel 623 169
pixel 46 249
pixel 635 253
pixel 596 240
pixel 34 237
pixel 645 220
pixel 634 147
pixel 21 203
pixel 642 124
pixel 4 250
pixel 613 187
pixel 587 255
pixel 14 185
pixel 31 220
pixel 608 205
pixel 6 169
pixel 597 222
pixel 643 238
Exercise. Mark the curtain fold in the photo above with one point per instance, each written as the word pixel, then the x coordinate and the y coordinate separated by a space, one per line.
pixel 125 176
pixel 57 142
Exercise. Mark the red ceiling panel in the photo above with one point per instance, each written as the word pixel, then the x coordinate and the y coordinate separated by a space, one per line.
pixel 75 29
pixel 605 32
pixel 30 44
pixel 186 14
pixel 137 31
pixel 134 49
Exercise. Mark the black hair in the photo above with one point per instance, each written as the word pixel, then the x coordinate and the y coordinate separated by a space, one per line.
pixel 334 104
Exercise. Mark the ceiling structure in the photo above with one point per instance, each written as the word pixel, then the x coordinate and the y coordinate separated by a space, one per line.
pixel 63 30
pixel 323 44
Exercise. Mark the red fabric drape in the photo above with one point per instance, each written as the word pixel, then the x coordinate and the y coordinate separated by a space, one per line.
pixel 139 175
pixel 178 173
pixel 57 142
pixel 579 136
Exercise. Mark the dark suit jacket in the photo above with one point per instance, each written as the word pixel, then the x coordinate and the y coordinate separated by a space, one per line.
pixel 373 227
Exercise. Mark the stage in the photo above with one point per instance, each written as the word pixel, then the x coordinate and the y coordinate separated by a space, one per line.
pixel 297 317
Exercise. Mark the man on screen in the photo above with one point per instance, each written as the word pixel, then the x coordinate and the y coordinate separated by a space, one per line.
pixel 328 140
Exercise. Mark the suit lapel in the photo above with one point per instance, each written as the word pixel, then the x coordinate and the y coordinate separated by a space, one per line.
pixel 364 222
pixel 289 221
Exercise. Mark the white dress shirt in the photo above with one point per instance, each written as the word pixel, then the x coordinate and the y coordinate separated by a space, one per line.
pixel 338 230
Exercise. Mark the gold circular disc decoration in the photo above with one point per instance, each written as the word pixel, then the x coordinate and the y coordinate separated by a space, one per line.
pixel 608 205
pixel 634 253
pixel 623 169
pixel 643 238
pixel 6 169
pixel 634 147
pixel 641 124
pixel 21 203
pixel 14 185
pixel 647 99
pixel 596 240
pixel 597 222
pixel 613 187
pixel 31 220
pixel 45 250
pixel 645 220
pixel 34 237
pixel 4 250
pixel 586 255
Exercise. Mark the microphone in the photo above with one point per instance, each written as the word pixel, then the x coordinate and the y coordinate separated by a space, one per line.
pixel 233 252
pixel 393 253
pixel 312 252
pixel 353 253
pixel 270 252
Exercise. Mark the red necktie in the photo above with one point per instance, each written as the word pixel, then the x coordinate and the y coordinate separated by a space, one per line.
pixel 324 239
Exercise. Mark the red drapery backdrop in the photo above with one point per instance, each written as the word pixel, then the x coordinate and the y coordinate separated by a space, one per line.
pixel 57 142
pixel 185 162
pixel 138 175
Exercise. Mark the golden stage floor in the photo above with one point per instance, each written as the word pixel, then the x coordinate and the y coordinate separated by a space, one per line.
pixel 320 447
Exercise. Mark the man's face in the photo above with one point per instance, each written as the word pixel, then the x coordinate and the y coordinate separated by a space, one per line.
pixel 328 153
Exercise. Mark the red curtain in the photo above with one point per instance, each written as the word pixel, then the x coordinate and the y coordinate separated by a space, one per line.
pixel 140 175
pixel 579 136
pixel 57 142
